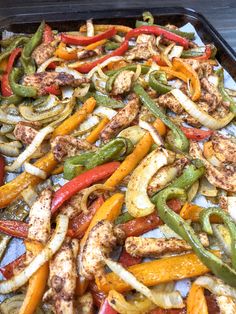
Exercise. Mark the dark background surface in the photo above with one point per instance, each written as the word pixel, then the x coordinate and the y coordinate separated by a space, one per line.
pixel 221 14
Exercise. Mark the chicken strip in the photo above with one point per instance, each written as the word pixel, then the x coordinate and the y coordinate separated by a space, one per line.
pixel 224 147
pixel 85 304
pixel 123 82
pixel 26 131
pixel 203 69
pixel 153 247
pixel 44 79
pixel 145 48
pixel 73 206
pixel 62 278
pixel 67 146
pixel 121 120
pixel 98 246
pixel 227 305
pixel 43 52
pixel 39 217
pixel 224 177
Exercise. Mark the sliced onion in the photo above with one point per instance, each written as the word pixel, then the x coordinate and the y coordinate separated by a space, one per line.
pixel 162 299
pixel 158 40
pixel 10 118
pixel 207 189
pixel 8 150
pixel 118 38
pixel 29 114
pixel 200 115
pixel 175 52
pixel 45 255
pixel 44 65
pixel 231 92
pixel 101 73
pixel 168 232
pixel 154 67
pixel 216 286
pixel 35 171
pixel 223 236
pixel 40 136
pixel 192 192
pixel 105 112
pixel 65 69
pixel 137 72
pixel 87 125
pixel 51 102
pixel 103 64
pixel 65 113
pixel 213 79
pixel 81 91
pixel 133 133
pixel 232 206
pixel 6 128
pixel 88 191
pixel 90 28
pixel 67 92
pixel 29 195
pixel 13 305
pixel 154 133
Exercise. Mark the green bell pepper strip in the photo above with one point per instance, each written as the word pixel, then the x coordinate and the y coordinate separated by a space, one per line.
pixel 183 229
pixel 227 220
pixel 175 31
pixel 125 217
pixel 104 100
pixel 148 17
pixel 198 51
pixel 111 45
pixel 13 99
pixel 18 89
pixel 15 43
pixel 26 59
pixel 113 74
pixel 114 150
pixel 158 82
pixel 224 94
pixel 180 142
pixel 189 176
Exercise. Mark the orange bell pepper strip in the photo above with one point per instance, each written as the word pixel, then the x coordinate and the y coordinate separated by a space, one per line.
pixel 47 163
pixel 187 70
pixel 192 212
pixel 37 282
pixel 104 27
pixel 174 73
pixel 109 210
pixel 156 272
pixel 63 53
pixel 96 44
pixel 196 301
pixel 131 161
pixel 94 135
pixel 58 170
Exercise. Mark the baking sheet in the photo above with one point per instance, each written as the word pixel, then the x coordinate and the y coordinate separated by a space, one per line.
pixel 16 246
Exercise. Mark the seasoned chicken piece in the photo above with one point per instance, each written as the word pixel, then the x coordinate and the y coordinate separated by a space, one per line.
pixel 85 304
pixel 83 53
pixel 66 146
pixel 44 79
pixel 43 52
pixel 153 247
pixel 223 177
pixel 203 69
pixel 224 147
pixel 166 174
pixel 62 278
pixel 98 246
pixel 26 131
pixel 211 89
pixel 39 217
pixel 169 101
pixel 72 207
pixel 227 305
pixel 123 82
pixel 121 120
pixel 145 48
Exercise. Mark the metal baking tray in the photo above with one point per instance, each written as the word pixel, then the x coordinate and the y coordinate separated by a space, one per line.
pixel 72 17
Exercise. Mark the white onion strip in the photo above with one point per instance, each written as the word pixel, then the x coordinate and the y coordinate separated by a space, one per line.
pixel 103 64
pixel 201 116
pixel 90 28
pixel 160 299
pixel 65 69
pixel 154 134
pixel 45 255
pixel 35 171
pixel 40 136
pixel 44 65
pixel 137 72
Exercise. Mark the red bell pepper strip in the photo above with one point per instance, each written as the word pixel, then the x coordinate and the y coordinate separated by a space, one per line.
pixel 128 260
pixel 106 308
pixel 14 228
pixel 52 89
pixel 2 170
pixel 8 270
pixel 158 60
pixel 138 226
pixel 86 67
pixel 175 204
pixel 82 181
pixel 169 311
pixel 47 34
pixel 196 134
pixel 84 41
pixel 205 56
pixel 156 30
pixel 79 224
pixel 6 89
pixel 98 296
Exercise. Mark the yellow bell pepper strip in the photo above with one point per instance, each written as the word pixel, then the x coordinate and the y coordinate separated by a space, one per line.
pixel 47 163
pixel 192 212
pixel 196 301
pixel 96 44
pixel 63 53
pixel 109 210
pixel 104 27
pixel 94 135
pixel 131 161
pixel 187 70
pixel 58 170
pixel 174 73
pixel 37 282
pixel 156 272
